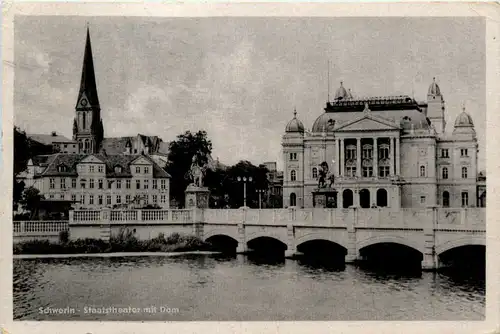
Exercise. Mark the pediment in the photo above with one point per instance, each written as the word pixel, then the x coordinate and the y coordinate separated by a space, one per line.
pixel 141 161
pixel 91 160
pixel 368 123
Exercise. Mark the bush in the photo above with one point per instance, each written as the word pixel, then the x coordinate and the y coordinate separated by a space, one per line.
pixel 63 237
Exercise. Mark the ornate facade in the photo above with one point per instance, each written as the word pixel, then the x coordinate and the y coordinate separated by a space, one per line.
pixel 382 151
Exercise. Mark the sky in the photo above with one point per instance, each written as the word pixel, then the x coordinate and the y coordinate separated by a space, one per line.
pixel 239 78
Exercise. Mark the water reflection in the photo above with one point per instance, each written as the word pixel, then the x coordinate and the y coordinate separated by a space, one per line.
pixel 243 288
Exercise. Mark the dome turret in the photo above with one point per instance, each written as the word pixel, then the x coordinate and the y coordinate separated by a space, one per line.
pixel 341 93
pixel 464 120
pixel 295 125
pixel 434 88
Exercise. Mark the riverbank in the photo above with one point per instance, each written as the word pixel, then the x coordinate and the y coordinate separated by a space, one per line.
pixel 123 243
pixel 108 255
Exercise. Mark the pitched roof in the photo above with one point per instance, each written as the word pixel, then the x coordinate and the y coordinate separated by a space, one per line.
pixel 48 139
pixel 72 160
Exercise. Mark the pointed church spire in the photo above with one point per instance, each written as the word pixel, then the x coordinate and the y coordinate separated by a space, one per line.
pixel 88 85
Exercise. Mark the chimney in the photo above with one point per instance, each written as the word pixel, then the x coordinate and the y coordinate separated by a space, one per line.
pixel 54 133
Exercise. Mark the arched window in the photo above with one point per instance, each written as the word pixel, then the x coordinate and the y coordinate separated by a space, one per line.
pixel 446 199
pixel 445 172
pixel 383 152
pixel 86 144
pixel 350 152
pixel 315 173
pixel 367 151
pixel 293 175
pixel 84 120
pixel 422 171
pixel 464 172
pixel 293 199
pixel 465 198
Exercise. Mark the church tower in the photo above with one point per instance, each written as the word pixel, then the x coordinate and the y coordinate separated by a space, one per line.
pixel 435 107
pixel 87 126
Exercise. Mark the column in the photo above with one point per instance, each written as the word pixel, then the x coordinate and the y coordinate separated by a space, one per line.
pixel 242 245
pixel 290 251
pixel 336 168
pixel 391 156
pixel 375 157
pixel 358 157
pixel 398 157
pixel 342 157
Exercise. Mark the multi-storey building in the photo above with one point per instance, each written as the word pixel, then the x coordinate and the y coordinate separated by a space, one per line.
pixel 96 180
pixel 382 151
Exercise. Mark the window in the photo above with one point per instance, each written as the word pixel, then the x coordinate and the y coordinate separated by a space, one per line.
pixel 350 152
pixel 163 184
pixel 127 199
pixel 127 184
pixel 110 184
pixel 118 199
pixel 118 184
pixel 91 183
pixel 293 156
pixel 163 198
pixel 73 183
pixel 138 169
pixel 62 168
pixel 108 199
pixel 146 170
pixel 91 199
pixel 464 152
pixel 383 171
pixel 383 152
pixel 73 198
pixel 146 199
pixel 350 171
pixel 82 184
pixel 137 184
pixel 465 198
pixel 422 199
pixel 464 172
pixel 100 169
pixel 51 196
pixel 367 171
pixel 155 184
pixel 91 169
pixel 61 196
pixel 63 183
pixel 118 169
pixel 445 173
pixel 155 199
pixel 422 171
pixel 293 175
pixel 315 173
pixel 445 153
pixel 146 184
pixel 293 199
pixel 367 152
pixel 446 199
pixel 52 183
pixel 99 199
pixel 82 199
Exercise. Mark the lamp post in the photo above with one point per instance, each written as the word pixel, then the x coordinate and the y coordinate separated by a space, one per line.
pixel 244 179
pixel 260 192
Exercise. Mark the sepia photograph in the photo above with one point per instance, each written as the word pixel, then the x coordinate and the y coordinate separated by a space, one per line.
pixel 246 168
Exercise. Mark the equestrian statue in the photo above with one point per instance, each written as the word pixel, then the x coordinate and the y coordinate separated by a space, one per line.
pixel 324 175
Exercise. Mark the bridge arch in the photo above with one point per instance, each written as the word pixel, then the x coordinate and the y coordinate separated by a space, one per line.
pixel 321 236
pixel 255 235
pixel 465 241
pixel 389 239
pixel 226 232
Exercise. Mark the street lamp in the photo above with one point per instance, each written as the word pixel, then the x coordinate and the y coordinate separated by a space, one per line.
pixel 260 191
pixel 244 179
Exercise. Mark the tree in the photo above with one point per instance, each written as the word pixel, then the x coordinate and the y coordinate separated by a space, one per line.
pixel 234 188
pixel 31 201
pixel 181 152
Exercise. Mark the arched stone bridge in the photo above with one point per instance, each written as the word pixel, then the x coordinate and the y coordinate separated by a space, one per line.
pixel 431 231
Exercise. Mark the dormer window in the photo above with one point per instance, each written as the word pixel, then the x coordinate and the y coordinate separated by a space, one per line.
pixel 62 168
pixel 118 169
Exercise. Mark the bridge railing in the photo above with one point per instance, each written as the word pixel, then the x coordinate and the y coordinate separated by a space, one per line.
pixel 39 227
pixel 107 216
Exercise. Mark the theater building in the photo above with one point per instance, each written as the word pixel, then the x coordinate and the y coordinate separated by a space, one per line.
pixel 382 151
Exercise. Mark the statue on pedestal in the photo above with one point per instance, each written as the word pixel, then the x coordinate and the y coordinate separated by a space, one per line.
pixel 324 175
pixel 197 196
pixel 197 172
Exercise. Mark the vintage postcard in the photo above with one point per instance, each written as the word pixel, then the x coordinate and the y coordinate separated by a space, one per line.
pixel 250 167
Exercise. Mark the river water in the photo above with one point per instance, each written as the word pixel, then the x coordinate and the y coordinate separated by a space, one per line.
pixel 235 288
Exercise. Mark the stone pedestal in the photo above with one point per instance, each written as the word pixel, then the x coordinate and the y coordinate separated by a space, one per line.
pixel 325 198
pixel 197 197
